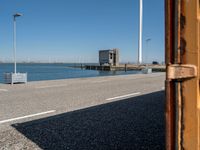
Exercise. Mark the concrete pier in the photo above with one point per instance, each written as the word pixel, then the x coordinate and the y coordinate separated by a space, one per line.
pixel 126 67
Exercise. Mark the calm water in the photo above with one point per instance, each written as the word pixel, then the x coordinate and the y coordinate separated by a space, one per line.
pixel 37 72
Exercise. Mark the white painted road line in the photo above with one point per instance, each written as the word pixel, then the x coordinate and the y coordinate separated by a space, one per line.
pixel 3 90
pixel 123 96
pixel 50 86
pixel 28 116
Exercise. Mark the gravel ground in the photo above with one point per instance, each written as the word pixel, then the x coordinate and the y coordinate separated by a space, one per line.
pixel 136 123
pixel 72 94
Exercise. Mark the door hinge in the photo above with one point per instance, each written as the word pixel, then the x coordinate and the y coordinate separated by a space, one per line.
pixel 180 71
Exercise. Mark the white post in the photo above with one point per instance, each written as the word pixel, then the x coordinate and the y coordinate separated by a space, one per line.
pixel 14 45
pixel 14 40
pixel 140 33
pixel 146 54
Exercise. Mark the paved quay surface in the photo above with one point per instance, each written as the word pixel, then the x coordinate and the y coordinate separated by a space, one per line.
pixel 119 112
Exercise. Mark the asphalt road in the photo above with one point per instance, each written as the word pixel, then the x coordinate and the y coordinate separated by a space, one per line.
pixel 120 112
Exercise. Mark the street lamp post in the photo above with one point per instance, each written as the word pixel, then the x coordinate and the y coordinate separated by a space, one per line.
pixel 15 77
pixel 147 69
pixel 14 40
pixel 147 41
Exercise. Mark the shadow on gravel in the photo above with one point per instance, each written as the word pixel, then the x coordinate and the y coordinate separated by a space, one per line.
pixel 134 123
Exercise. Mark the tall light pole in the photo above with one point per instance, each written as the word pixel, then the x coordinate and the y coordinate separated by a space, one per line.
pixel 140 33
pixel 14 40
pixel 147 41
pixel 15 77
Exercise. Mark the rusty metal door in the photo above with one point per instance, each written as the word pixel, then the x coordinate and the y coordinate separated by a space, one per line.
pixel 182 32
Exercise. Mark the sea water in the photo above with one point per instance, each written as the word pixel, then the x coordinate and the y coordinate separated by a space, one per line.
pixel 53 71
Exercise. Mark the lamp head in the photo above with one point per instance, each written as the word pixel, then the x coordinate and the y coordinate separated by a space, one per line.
pixel 17 15
pixel 148 40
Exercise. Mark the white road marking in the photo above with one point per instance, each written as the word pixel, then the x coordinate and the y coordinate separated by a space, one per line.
pixel 123 96
pixel 50 86
pixel 28 116
pixel 3 90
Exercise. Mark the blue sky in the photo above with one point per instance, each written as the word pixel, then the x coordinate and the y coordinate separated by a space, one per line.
pixel 74 30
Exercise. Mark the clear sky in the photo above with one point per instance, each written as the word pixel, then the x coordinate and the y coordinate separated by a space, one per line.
pixel 74 30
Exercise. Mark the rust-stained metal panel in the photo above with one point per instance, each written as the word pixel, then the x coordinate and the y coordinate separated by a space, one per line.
pixel 190 88
pixel 169 86
pixel 182 96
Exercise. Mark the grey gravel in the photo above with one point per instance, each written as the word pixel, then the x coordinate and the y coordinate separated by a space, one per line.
pixel 135 123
